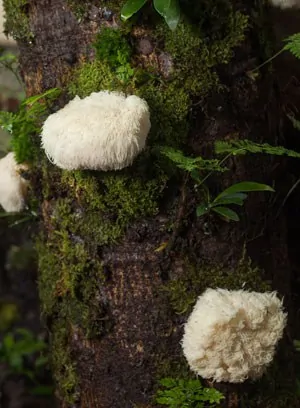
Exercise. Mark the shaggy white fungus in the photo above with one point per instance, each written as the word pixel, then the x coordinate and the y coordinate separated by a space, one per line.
pixel 231 335
pixel 104 131
pixel 13 187
pixel 285 4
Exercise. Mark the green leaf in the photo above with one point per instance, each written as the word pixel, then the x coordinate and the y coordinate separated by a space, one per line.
pixel 169 10
pixel 245 186
pixel 226 213
pixel 161 6
pixel 201 210
pixel 53 93
pixel 236 198
pixel 130 8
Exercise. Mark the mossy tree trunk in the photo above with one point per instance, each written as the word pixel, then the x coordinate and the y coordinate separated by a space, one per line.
pixel 122 255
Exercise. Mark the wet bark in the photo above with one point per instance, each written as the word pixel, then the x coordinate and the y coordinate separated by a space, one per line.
pixel 121 367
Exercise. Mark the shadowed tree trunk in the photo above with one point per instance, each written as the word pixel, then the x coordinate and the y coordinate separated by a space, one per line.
pixel 122 254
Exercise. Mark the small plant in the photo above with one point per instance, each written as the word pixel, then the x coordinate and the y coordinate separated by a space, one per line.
pixel 15 351
pixel 178 393
pixel 292 45
pixel 26 124
pixel 235 194
pixel 168 9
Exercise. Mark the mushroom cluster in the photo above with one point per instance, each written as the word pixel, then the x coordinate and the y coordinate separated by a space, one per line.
pixel 13 187
pixel 104 131
pixel 231 335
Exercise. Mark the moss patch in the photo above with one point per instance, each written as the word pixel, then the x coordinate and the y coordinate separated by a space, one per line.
pixel 16 19
pixel 64 369
pixel 184 292
pixel 108 203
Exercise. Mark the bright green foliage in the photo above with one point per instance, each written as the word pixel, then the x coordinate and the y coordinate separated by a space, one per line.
pixel 293 45
pixel 131 7
pixel 236 147
pixel 178 393
pixel 232 195
pixel 15 350
pixel 25 125
pixel 16 20
pixel 191 164
pixel 113 48
pixel 168 9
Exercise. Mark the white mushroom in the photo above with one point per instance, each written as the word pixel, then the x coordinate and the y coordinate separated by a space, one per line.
pixel 285 4
pixel 104 131
pixel 13 187
pixel 231 335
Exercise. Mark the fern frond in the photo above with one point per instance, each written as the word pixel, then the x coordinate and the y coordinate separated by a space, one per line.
pixel 189 163
pixel 236 147
pixel 293 45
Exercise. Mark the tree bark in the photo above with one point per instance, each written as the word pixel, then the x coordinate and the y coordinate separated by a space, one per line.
pixel 145 283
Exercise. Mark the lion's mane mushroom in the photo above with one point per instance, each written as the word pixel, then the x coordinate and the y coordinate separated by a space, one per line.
pixel 13 187
pixel 231 335
pixel 285 4
pixel 104 131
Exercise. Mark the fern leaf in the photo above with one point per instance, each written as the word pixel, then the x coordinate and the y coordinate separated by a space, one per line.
pixel 293 45
pixel 237 147
pixel 189 163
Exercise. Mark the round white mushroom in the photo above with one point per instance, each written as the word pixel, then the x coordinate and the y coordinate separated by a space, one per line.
pixel 13 187
pixel 104 131
pixel 231 335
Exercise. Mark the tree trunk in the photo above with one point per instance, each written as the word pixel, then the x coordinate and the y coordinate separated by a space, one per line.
pixel 122 255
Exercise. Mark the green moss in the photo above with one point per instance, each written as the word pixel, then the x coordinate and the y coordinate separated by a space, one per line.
pixel 112 47
pixel 16 19
pixel 194 59
pixel 184 292
pixel 92 77
pixel 110 202
pixel 64 369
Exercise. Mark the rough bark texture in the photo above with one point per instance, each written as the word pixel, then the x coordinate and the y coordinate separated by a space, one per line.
pixel 136 336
